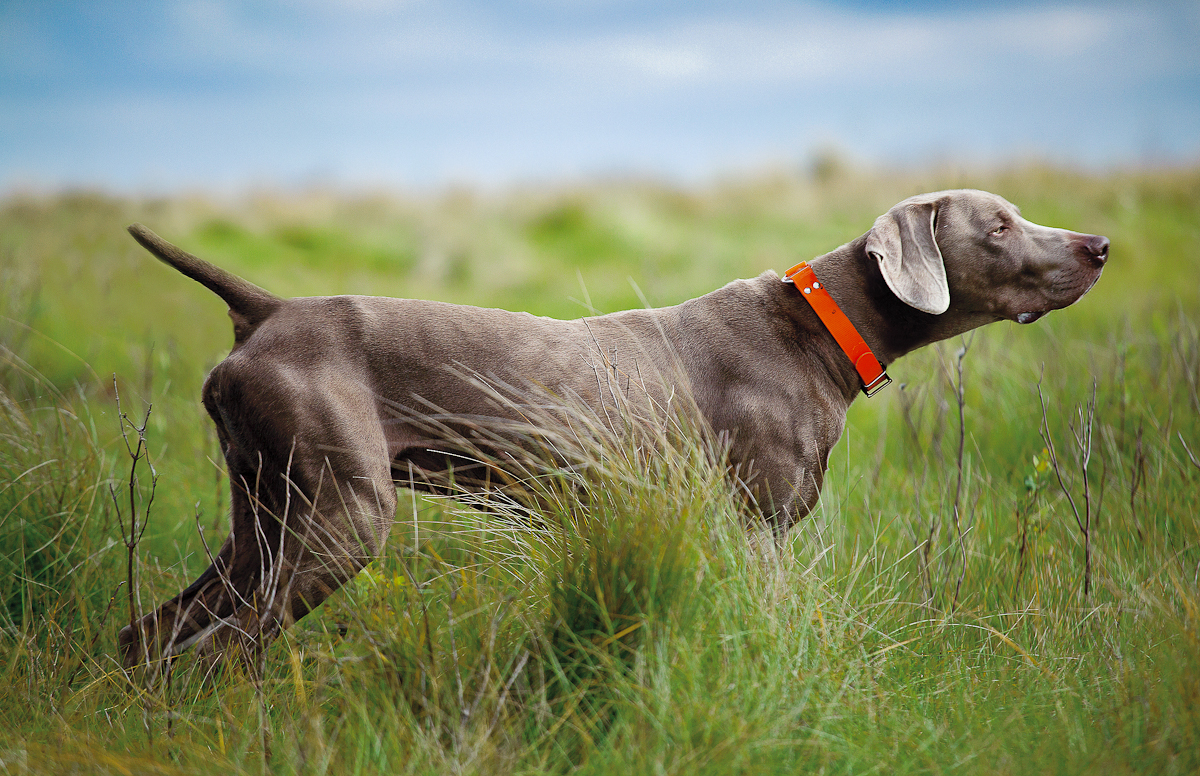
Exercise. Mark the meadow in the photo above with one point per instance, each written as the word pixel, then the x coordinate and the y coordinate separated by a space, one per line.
pixel 1003 575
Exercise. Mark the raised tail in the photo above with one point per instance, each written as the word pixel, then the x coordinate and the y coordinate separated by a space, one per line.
pixel 249 305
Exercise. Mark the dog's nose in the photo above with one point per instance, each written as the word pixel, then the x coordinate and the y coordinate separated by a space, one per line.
pixel 1096 248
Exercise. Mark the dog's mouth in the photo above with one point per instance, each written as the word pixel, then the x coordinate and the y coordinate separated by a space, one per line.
pixel 1030 317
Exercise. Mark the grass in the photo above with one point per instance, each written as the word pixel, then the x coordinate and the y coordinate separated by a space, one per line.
pixel 642 623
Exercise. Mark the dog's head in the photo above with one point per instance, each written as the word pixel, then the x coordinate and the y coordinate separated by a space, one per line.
pixel 972 250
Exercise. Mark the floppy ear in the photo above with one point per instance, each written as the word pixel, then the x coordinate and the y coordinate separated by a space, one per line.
pixel 903 243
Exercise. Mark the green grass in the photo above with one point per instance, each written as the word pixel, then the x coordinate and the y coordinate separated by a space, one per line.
pixel 642 624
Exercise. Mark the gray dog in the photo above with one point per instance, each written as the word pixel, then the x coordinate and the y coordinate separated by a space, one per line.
pixel 318 406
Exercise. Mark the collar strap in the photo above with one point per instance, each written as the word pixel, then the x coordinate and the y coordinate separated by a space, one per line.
pixel 851 342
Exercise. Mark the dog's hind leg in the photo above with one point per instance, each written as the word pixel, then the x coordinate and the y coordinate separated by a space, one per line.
pixel 308 511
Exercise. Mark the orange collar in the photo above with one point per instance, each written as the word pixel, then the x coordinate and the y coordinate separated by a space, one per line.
pixel 874 378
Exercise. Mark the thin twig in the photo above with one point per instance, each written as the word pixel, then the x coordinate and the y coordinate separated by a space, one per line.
pixel 1086 415
pixel 1188 450
pixel 960 399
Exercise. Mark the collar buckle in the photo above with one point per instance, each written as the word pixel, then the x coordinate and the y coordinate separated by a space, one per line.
pixel 877 385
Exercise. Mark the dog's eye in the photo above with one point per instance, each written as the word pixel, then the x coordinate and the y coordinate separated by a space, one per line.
pixel 999 230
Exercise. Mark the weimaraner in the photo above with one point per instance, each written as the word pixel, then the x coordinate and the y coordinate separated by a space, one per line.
pixel 319 405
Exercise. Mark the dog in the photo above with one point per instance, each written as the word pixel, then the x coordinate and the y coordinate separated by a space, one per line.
pixel 319 405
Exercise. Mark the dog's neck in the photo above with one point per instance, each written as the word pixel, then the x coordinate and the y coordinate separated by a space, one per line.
pixel 890 327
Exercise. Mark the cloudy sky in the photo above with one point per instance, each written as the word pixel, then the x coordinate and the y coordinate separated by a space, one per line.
pixel 216 93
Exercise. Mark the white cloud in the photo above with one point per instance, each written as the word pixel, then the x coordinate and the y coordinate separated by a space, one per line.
pixel 818 46
pixel 669 62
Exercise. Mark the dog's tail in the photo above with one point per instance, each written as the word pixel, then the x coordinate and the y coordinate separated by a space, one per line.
pixel 249 305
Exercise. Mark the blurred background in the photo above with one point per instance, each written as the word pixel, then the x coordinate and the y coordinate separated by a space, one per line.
pixel 219 95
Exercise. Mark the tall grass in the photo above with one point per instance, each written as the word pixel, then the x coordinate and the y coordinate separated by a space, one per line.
pixel 941 610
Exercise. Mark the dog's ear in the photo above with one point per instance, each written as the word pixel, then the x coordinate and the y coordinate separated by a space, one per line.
pixel 903 243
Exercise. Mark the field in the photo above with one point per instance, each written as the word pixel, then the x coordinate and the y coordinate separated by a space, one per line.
pixel 1003 575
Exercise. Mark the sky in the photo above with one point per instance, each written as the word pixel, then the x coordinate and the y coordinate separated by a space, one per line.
pixel 215 94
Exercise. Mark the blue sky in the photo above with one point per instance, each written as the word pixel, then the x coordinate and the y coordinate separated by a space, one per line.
pixel 220 94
